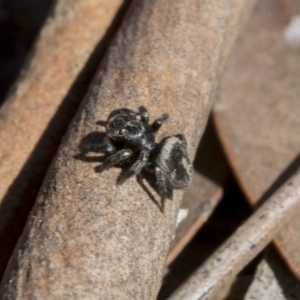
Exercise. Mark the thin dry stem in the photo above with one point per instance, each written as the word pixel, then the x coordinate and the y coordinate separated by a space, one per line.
pixel 244 244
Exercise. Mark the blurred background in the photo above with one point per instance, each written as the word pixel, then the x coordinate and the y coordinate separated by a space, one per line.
pixel 20 22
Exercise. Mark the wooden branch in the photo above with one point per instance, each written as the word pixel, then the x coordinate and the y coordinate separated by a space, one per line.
pixel 88 238
pixel 244 244
pixel 273 279
pixel 45 99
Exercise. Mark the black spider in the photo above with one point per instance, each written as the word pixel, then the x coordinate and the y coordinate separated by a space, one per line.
pixel 130 138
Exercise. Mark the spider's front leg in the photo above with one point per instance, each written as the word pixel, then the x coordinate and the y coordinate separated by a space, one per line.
pixel 137 167
pixel 144 114
pixel 114 159
pixel 159 122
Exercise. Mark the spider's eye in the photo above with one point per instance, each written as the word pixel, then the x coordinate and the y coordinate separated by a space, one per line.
pixel 122 131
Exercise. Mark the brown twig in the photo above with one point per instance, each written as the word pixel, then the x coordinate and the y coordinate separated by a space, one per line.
pixel 244 244
pixel 45 99
pixel 88 238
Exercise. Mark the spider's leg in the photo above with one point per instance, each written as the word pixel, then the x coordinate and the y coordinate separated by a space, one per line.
pixel 144 114
pixel 161 182
pixel 158 122
pixel 182 138
pixel 115 159
pixel 139 164
pixel 149 168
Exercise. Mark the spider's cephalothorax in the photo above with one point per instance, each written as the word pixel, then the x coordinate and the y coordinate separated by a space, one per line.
pixel 129 135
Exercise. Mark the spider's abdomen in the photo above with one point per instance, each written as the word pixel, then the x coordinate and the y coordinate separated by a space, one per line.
pixel 174 162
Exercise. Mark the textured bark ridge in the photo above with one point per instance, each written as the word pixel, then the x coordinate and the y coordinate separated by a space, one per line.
pixel 88 238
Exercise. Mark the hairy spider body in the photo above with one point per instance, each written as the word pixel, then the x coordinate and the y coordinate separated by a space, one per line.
pixel 172 164
pixel 123 125
pixel 168 160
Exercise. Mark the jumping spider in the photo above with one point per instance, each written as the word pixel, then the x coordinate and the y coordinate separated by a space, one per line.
pixel 130 138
